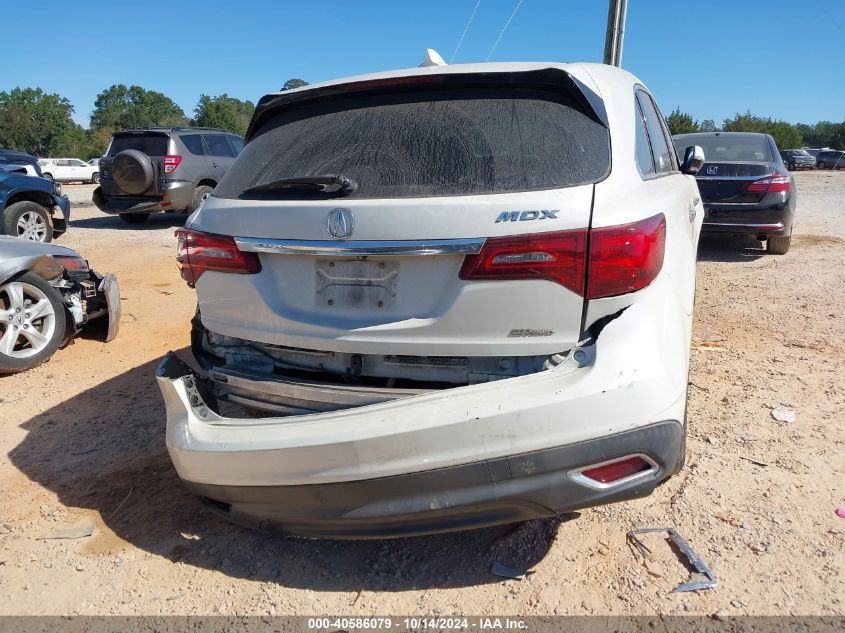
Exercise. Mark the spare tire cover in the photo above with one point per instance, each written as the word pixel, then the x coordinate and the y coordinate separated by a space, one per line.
pixel 132 170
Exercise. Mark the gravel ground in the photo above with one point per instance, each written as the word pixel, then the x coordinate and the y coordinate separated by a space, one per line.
pixel 82 438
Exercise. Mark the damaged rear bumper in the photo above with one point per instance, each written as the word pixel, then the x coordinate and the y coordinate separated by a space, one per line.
pixel 452 459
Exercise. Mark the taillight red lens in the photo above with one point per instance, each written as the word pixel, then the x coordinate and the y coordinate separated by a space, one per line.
pixel 616 471
pixel 198 252
pixel 771 184
pixel 558 256
pixel 625 258
pixel 171 162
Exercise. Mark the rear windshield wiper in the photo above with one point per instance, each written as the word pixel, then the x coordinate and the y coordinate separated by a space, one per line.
pixel 331 184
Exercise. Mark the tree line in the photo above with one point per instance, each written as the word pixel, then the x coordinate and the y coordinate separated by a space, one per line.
pixel 786 135
pixel 42 124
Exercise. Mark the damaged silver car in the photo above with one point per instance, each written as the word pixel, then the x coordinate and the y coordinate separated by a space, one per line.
pixel 48 294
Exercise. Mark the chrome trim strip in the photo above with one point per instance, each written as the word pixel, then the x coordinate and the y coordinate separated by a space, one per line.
pixel 577 476
pixel 776 226
pixel 469 246
pixel 734 177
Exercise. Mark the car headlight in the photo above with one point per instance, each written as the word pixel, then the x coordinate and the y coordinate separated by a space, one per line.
pixel 57 188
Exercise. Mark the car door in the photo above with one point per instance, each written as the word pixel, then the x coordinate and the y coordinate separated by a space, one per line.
pixel 79 170
pixel 218 153
pixel 672 193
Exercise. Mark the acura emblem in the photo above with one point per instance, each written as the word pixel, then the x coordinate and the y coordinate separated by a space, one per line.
pixel 340 224
pixel 713 170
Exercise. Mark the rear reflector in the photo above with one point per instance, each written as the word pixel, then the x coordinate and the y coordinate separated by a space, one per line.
pixel 617 470
pixel 198 252
pixel 171 162
pixel 558 256
pixel 771 184
pixel 625 258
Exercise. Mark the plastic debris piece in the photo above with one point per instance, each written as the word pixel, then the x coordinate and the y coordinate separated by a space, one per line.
pixel 703 579
pixel 756 462
pixel 782 414
pixel 840 512
pixel 82 528
pixel 507 572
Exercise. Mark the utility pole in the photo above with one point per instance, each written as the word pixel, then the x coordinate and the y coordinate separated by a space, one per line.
pixel 617 10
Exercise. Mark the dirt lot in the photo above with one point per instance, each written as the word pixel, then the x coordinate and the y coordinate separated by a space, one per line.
pixel 83 437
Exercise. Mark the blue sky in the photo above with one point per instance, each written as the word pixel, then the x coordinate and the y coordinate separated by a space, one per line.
pixel 712 58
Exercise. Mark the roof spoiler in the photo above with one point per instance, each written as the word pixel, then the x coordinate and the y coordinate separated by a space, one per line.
pixel 546 78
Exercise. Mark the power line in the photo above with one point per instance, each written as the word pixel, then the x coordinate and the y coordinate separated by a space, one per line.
pixel 466 28
pixel 504 28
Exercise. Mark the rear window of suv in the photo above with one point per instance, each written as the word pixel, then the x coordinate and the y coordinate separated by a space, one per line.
pixel 150 144
pixel 435 142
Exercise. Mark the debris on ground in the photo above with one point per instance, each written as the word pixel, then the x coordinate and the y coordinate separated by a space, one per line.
pixel 840 512
pixel 756 462
pixel 702 579
pixel 782 414
pixel 81 529
pixel 507 572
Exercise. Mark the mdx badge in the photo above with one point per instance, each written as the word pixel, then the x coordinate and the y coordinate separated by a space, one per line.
pixel 340 224
pixel 523 216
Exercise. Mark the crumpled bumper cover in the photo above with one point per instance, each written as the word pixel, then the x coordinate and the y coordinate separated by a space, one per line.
pixel 465 457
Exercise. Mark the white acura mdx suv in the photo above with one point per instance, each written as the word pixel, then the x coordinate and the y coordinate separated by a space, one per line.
pixel 443 298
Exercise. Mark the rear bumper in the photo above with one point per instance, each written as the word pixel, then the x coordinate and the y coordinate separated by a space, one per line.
pixel 490 492
pixel 466 457
pixel 176 196
pixel 773 219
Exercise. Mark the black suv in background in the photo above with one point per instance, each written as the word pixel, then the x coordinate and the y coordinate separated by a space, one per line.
pixel 798 159
pixel 830 159
pixel 171 169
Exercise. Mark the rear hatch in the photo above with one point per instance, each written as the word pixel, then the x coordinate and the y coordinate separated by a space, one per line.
pixel 154 145
pixel 464 234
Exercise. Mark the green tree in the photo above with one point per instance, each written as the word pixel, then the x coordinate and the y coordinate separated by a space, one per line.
pixel 223 111
pixel 785 134
pixel 708 125
pixel 120 107
pixel 290 84
pixel 681 123
pixel 34 121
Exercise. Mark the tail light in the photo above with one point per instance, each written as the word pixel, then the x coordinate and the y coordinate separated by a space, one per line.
pixel 558 257
pixel 198 252
pixel 622 258
pixel 625 258
pixel 771 184
pixel 171 162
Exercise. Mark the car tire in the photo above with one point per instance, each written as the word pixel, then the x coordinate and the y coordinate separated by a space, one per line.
pixel 134 218
pixel 19 349
pixel 48 175
pixel 95 179
pixel 820 165
pixel 778 244
pixel 28 220
pixel 790 166
pixel 200 194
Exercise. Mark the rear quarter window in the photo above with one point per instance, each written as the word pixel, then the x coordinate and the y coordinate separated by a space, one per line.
pixel 435 142
pixel 193 142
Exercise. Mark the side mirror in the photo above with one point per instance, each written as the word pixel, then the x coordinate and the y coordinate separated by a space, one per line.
pixel 693 160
